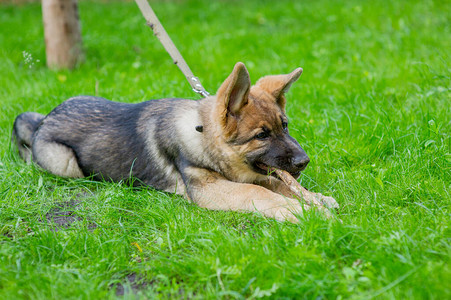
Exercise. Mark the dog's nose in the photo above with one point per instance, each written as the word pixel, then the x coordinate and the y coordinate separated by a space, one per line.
pixel 301 161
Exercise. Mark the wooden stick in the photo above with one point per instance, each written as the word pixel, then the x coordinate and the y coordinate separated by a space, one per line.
pixel 320 201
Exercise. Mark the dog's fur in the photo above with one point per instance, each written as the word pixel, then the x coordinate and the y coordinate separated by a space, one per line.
pixel 216 152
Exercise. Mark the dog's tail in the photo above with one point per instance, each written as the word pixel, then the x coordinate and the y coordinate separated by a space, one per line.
pixel 24 127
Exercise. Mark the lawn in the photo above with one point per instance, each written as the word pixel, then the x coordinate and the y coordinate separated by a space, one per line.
pixel 372 110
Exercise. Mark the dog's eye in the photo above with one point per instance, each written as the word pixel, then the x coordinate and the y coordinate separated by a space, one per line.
pixel 284 125
pixel 262 135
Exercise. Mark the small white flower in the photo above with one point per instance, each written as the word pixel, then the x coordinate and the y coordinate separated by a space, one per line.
pixel 28 59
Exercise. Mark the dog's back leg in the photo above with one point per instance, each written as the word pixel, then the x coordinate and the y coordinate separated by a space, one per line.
pixel 24 127
pixel 37 145
pixel 55 157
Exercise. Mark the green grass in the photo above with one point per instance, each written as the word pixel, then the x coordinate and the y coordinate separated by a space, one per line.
pixel 372 110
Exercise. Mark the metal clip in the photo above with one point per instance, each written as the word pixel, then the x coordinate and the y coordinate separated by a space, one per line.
pixel 203 93
pixel 197 86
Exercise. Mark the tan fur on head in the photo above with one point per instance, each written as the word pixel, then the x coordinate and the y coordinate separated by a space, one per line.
pixel 233 95
pixel 239 114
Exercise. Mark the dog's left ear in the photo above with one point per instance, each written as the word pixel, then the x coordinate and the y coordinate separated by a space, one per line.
pixel 278 85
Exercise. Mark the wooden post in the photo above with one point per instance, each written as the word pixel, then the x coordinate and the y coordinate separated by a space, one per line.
pixel 62 33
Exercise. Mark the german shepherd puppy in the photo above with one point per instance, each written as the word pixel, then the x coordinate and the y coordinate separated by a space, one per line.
pixel 217 151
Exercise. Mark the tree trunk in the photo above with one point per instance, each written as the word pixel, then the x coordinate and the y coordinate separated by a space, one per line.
pixel 62 33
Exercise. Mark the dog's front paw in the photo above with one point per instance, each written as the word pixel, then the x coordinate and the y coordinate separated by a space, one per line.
pixel 329 202
pixel 291 213
pixel 320 200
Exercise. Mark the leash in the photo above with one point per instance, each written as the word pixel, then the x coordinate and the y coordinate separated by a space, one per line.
pixel 163 37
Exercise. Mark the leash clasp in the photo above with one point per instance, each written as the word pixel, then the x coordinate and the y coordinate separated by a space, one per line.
pixel 197 86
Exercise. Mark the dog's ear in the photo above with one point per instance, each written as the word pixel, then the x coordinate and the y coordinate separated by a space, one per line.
pixel 234 91
pixel 278 85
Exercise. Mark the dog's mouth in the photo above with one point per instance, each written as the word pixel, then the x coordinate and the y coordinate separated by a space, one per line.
pixel 264 169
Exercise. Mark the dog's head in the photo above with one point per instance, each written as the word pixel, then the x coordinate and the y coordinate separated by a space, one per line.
pixel 254 123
